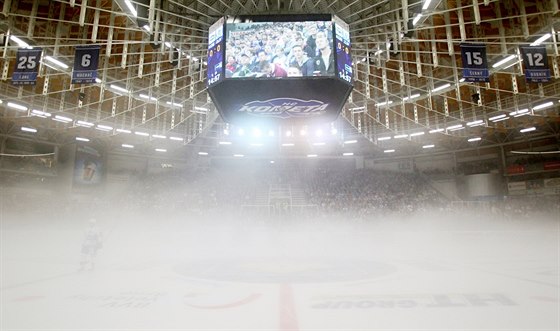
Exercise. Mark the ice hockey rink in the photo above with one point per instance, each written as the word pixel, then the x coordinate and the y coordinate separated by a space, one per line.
pixel 416 273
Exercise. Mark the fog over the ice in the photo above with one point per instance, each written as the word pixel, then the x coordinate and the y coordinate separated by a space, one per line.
pixel 165 264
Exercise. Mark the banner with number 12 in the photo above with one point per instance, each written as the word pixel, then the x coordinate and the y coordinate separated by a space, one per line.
pixel 535 61
pixel 86 60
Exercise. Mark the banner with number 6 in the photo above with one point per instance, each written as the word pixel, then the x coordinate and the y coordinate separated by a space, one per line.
pixel 475 64
pixel 86 60
pixel 27 66
pixel 536 64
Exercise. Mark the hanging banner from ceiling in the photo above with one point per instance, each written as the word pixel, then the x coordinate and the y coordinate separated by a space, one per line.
pixel 536 64
pixel 475 64
pixel 86 60
pixel 27 66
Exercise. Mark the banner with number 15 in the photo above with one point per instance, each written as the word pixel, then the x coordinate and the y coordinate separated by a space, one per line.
pixel 86 60
pixel 475 64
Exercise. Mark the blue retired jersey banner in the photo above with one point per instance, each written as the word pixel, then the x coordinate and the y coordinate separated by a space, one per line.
pixel 27 66
pixel 536 64
pixel 86 61
pixel 475 64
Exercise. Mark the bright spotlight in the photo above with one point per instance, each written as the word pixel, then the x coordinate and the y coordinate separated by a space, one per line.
pixel 257 132
pixel 302 132
pixel 240 132
pixel 288 133
pixel 271 133
pixel 319 132
pixel 334 131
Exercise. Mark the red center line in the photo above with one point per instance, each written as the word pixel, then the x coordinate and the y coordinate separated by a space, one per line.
pixel 288 317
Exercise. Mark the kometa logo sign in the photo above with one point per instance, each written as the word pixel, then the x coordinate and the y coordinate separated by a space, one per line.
pixel 284 108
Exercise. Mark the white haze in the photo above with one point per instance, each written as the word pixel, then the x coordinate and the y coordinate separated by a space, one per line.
pixel 425 271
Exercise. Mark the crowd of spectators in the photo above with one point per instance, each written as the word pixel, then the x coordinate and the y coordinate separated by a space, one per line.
pixel 280 49
pixel 231 192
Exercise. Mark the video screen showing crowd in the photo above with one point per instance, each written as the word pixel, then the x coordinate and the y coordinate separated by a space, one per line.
pixel 279 49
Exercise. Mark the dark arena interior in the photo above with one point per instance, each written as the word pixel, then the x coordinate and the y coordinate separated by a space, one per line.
pixel 279 165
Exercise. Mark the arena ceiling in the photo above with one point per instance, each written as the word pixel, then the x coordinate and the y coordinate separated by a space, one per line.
pixel 407 74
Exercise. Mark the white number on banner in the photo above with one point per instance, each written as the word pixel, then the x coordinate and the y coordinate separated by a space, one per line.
pixel 474 58
pixel 535 59
pixel 27 62
pixel 86 60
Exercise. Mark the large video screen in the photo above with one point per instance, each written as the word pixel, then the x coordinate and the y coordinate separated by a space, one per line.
pixel 215 52
pixel 280 49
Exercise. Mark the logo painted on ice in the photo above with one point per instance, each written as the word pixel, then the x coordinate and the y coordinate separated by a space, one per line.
pixel 284 108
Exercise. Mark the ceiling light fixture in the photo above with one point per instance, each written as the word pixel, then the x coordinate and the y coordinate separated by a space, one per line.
pixel 528 129
pixel 20 42
pixel 543 105
pixel 503 61
pixel 475 123
pixel 541 39
pixel 84 124
pixel 144 96
pixel 60 118
pixel 57 62
pixel 16 106
pixel 442 87
pixel 497 117
pixel 454 127
pixel 27 129
pixel 416 19
pixel 411 97
pixel 131 8
pixel 174 104
pixel 384 103
pixel 118 88
pixel 39 113
pixel 104 127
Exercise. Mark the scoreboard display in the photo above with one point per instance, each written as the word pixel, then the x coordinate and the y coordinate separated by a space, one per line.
pixel 343 54
pixel 279 68
pixel 215 52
